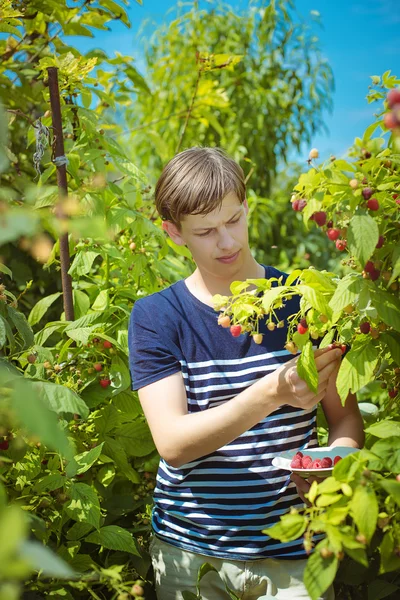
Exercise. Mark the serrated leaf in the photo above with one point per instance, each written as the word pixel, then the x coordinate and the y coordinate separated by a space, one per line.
pixel 387 307
pixel 82 462
pixel 82 263
pixel 357 369
pixel 388 450
pixel 347 292
pixel 60 399
pixel 392 487
pixel 306 367
pixel 384 429
pixel 364 507
pixel 135 438
pixel 23 328
pixel 51 482
pixel 114 538
pixel 289 528
pixel 315 298
pixel 84 505
pixel 41 307
pixel 319 574
pixel 362 237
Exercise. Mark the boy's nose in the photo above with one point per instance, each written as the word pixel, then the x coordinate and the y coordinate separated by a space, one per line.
pixel 225 240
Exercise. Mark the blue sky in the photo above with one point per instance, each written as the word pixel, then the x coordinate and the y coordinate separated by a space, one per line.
pixel 359 39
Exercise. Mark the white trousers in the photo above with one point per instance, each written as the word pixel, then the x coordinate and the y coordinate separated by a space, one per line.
pixel 175 571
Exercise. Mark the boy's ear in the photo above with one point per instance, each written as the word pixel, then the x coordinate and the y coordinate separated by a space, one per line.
pixel 173 232
pixel 246 206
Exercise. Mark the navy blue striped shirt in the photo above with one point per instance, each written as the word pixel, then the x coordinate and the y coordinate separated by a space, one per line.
pixel 219 504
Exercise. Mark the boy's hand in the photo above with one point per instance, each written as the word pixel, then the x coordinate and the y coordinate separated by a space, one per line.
pixel 303 485
pixel 289 388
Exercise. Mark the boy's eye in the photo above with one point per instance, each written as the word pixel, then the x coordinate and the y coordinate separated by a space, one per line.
pixel 208 232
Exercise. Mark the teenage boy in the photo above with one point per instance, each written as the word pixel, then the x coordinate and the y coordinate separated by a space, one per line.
pixel 220 408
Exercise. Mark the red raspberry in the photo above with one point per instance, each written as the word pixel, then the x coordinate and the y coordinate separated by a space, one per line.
pixel 320 218
pixel 316 464
pixel 374 274
pixel 373 204
pixel 393 393
pixel 336 459
pixel 236 330
pixel 381 241
pixel 326 462
pixel 302 327
pixel 333 234
pixel 97 367
pixel 365 327
pixel 301 205
pixel 369 266
pixel 4 445
pixel 341 245
pixel 105 382
pixel 306 462
pixel 393 97
pixel 299 454
pixel 107 344
pixel 296 463
pixel 367 193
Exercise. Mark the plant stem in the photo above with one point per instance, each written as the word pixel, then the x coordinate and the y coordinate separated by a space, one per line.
pixel 196 86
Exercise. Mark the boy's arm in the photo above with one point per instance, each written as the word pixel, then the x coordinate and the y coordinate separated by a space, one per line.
pixel 346 426
pixel 181 437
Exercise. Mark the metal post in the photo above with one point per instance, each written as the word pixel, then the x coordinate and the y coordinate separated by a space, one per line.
pixel 66 279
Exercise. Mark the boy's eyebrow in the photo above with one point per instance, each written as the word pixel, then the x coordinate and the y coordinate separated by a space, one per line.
pixel 206 228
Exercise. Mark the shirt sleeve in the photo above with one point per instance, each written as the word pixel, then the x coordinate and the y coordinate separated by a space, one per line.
pixel 150 358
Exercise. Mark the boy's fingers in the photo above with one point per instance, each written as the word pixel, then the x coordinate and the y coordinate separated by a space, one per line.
pixel 322 360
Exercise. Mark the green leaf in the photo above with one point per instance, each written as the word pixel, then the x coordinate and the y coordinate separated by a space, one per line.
pixel 306 367
pixel 42 559
pixel 22 326
pixel 384 429
pixel 84 505
pixel 290 527
pixel 49 483
pixel 82 462
pixel 135 438
pixel 387 306
pixel 60 399
pixel 3 332
pixel 357 369
pixel 204 569
pixel 35 412
pixel 388 450
pixel 392 487
pixel 389 560
pixel 347 292
pixel 82 263
pixel 119 372
pixel 41 307
pixel 319 574
pixel 379 588
pixel 114 538
pixel 364 507
pixel 392 339
pixel 78 530
pixel 14 528
pixel 81 303
pixel 315 298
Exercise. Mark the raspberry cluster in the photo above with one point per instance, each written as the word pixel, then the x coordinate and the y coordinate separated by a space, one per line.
pixel 301 461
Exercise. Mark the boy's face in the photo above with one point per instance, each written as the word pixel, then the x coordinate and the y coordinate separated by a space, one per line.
pixel 217 241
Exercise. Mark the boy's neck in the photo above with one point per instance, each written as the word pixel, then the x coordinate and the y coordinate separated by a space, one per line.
pixel 204 285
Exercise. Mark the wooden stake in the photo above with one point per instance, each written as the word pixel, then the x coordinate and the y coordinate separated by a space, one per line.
pixel 66 279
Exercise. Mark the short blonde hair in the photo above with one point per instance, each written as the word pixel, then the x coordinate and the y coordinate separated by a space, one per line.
pixel 196 181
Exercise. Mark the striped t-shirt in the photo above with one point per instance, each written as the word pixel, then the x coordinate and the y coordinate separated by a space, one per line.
pixel 219 504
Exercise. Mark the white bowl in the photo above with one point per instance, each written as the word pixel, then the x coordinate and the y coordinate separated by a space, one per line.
pixel 282 461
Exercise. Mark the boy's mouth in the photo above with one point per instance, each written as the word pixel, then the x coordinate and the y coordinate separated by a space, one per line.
pixel 229 259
